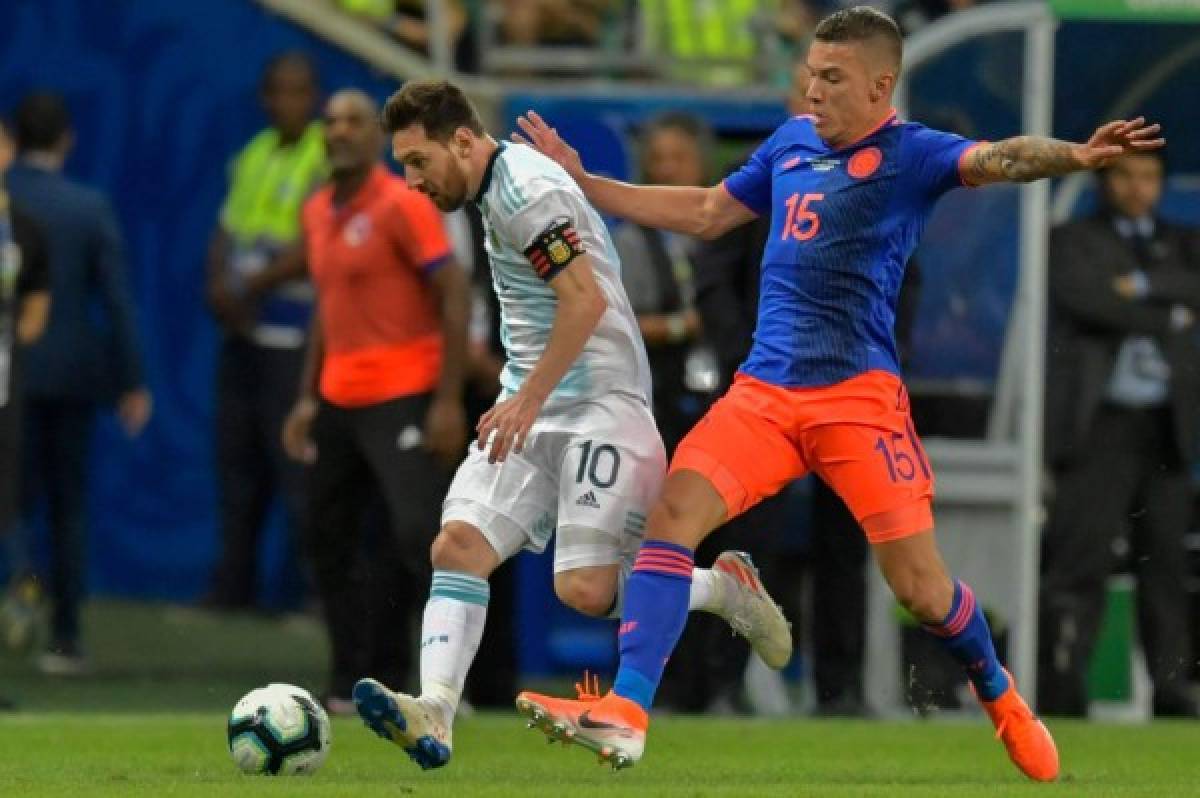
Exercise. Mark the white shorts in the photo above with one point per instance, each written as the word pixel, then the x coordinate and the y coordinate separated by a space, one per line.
pixel 590 470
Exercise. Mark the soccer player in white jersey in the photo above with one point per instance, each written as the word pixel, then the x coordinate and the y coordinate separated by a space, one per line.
pixel 570 446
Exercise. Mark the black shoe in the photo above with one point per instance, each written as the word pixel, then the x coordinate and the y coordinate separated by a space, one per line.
pixel 1175 704
pixel 64 659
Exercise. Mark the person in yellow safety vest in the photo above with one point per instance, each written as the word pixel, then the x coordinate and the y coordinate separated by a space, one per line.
pixel 375 10
pixel 259 294
pixel 698 30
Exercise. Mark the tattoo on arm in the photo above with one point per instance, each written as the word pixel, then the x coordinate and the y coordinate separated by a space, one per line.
pixel 1020 159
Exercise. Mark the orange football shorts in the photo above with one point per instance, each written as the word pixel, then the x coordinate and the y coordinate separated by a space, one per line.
pixel 856 435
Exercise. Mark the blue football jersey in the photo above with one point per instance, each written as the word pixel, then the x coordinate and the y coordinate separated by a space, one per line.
pixel 843 225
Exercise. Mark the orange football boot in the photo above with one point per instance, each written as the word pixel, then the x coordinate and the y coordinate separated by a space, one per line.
pixel 612 727
pixel 1028 741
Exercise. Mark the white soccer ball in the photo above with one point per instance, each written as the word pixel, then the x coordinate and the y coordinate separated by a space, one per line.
pixel 279 729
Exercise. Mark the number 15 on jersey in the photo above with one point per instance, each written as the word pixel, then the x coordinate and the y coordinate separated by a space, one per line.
pixel 802 222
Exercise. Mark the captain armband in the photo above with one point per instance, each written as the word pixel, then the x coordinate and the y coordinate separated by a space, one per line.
pixel 554 248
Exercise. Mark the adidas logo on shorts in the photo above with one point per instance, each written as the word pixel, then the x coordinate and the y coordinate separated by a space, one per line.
pixel 588 500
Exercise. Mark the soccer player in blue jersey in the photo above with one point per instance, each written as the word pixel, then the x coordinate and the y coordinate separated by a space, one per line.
pixel 848 188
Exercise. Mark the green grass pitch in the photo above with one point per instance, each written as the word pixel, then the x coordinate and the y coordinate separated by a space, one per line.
pixel 150 722
pixel 183 755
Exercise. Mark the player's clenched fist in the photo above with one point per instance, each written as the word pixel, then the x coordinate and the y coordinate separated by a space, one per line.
pixel 509 422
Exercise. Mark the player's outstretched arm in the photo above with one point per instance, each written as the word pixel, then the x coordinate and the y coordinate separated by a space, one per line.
pixel 1025 158
pixel 703 212
pixel 580 306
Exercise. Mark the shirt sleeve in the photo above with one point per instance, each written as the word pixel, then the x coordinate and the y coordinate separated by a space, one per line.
pixel 544 229
pixel 934 159
pixel 751 184
pixel 422 236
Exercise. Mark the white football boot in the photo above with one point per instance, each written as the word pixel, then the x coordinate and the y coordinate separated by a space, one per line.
pixel 418 725
pixel 751 611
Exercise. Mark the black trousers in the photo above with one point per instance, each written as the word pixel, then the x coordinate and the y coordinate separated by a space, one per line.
pixel 372 577
pixel 56 448
pixel 11 464
pixel 839 601
pixel 1127 480
pixel 256 387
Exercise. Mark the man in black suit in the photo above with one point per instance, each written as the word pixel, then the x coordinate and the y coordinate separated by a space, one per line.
pixel 88 356
pixel 1123 391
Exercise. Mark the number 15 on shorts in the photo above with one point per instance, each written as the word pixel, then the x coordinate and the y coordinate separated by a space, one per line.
pixel 901 456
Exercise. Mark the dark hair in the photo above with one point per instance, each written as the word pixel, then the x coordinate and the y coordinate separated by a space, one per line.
pixel 41 121
pixel 286 60
pixel 861 24
pixel 1159 155
pixel 689 125
pixel 438 106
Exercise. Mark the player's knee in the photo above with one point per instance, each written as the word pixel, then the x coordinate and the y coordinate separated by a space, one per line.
pixel 590 591
pixel 461 547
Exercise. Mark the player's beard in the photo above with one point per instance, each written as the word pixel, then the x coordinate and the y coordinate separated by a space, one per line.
pixel 452 196
pixel 447 203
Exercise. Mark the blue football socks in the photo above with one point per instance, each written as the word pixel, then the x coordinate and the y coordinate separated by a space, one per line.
pixel 965 634
pixel 656 608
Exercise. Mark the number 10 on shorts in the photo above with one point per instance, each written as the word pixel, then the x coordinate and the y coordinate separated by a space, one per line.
pixel 599 464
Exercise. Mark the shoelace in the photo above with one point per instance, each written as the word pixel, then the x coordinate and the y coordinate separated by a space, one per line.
pixel 741 623
pixel 589 689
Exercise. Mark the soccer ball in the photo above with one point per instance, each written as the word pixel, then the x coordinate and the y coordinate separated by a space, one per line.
pixel 277 729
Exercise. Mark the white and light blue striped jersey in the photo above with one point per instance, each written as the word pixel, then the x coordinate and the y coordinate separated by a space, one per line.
pixel 524 198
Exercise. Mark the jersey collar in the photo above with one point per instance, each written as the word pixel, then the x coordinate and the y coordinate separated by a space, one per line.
pixel 888 121
pixel 486 182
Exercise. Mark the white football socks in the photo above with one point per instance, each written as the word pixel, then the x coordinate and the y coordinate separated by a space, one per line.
pixel 450 633
pixel 708 593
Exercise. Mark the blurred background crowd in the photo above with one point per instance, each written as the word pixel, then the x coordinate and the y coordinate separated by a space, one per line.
pixel 154 307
